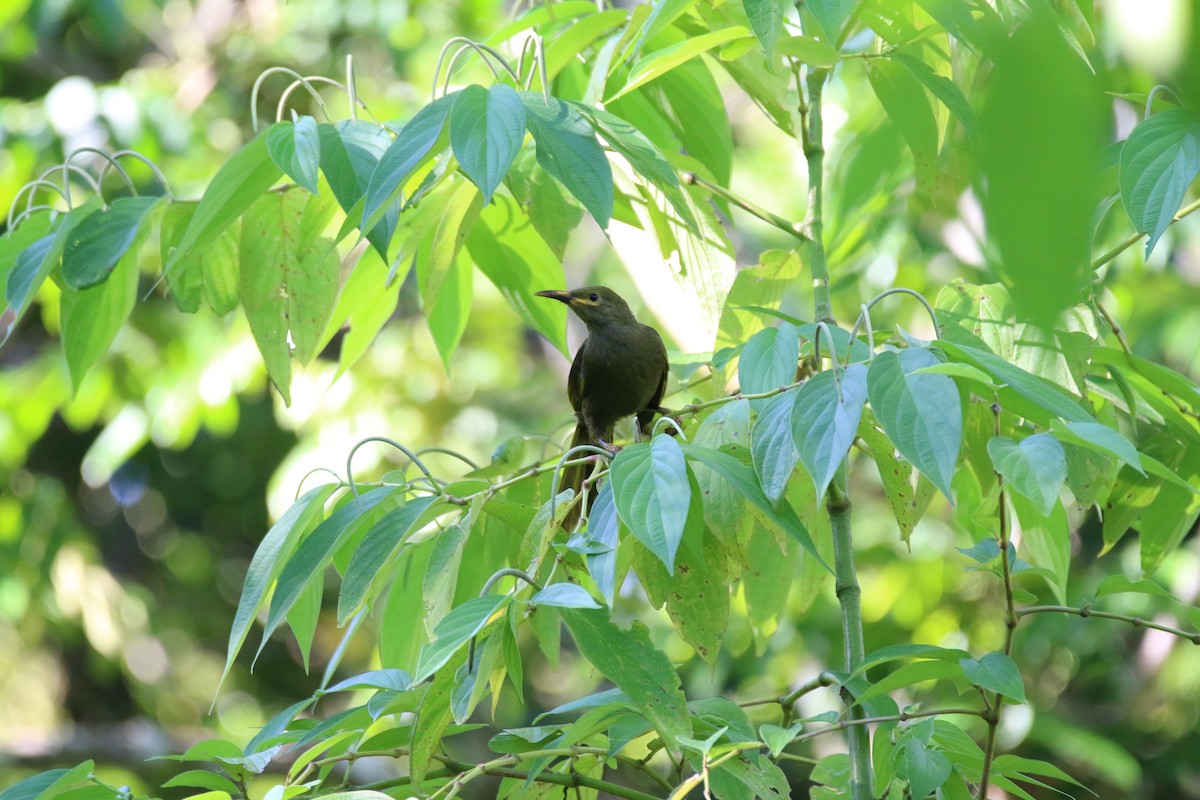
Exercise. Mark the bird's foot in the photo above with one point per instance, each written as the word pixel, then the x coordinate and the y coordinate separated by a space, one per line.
pixel 609 446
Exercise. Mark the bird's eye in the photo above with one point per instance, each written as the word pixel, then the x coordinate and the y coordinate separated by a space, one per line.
pixel 593 297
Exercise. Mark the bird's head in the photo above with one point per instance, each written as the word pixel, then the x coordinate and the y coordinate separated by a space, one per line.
pixel 595 305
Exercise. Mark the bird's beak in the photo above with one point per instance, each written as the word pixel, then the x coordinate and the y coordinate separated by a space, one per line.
pixel 556 294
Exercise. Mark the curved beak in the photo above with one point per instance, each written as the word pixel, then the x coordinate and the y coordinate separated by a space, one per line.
pixel 556 294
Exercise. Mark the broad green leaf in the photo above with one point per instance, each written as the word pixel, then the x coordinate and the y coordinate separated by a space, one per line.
pixel 440 583
pixel 911 675
pixel 29 788
pixel 652 493
pixel 302 617
pixel 289 278
pixel 1046 538
pixel 1047 399
pixel 566 47
pixel 777 738
pixel 768 360
pixel 310 558
pixel 552 209
pixel 1041 141
pixel 366 572
pixel 203 779
pixel 568 150
pixel 35 263
pixel 433 717
pixel 94 246
pixel 998 673
pixel 824 420
pixel 487 127
pixel 415 142
pixel 537 16
pixel 808 50
pixel 943 89
pixel 830 15
pixel 448 318
pixel 268 561
pixel 895 652
pixel 1099 438
pixel 564 595
pixel 895 473
pixel 724 507
pixel 186 280
pixel 643 155
pixel 643 673
pixel 1036 466
pixel 442 237
pixel 921 414
pixel 665 60
pixel 743 479
pixel 454 630
pixel 90 319
pixel 927 769
pixel 238 183
pixel 772 447
pixel 690 99
pixel 767 582
pixel 350 151
pixel 603 530
pixel 761 285
pixel 365 304
pixel 1119 584
pixel 766 20
pixel 964 371
pixel 904 99
pixel 296 149
pixel 508 250
pixel 1159 161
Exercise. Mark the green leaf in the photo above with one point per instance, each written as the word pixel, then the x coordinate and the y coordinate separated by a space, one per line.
pixel 203 779
pixel 766 20
pixel 830 15
pixel 564 595
pixel 761 285
pixel 289 283
pixel 100 240
pixel 509 251
pixel 921 414
pixel 433 718
pixel 39 259
pixel 927 769
pixel 92 318
pixel 895 473
pixel 895 652
pixel 643 155
pixel 906 103
pixel 1119 584
pixel 448 317
pixel 771 445
pixel 665 60
pixel 238 183
pixel 1099 438
pixel 642 672
pixel 296 149
pixel 1046 398
pixel 603 530
pixel 1047 540
pixel 943 89
pixel 1036 467
pixel 910 675
pixel 415 142
pixel 652 493
pixel 768 360
pixel 998 673
pixel 29 788
pixel 315 552
pixel 1041 142
pixel 808 50
pixel 1159 161
pixel 487 127
pixel 365 573
pixel 743 479
pixel 454 630
pixel 964 371
pixel 824 420
pixel 777 738
pixel 268 561
pixel 568 150
pixel 186 280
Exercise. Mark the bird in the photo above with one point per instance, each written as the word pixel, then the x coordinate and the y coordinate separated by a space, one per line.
pixel 619 370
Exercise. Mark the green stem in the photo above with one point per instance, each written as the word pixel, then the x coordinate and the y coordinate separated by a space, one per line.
pixel 1134 238
pixel 783 224
pixel 1137 622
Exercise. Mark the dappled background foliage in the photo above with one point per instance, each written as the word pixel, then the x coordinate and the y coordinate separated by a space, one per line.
pixel 132 504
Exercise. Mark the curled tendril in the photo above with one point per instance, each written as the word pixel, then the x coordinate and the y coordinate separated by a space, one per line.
pixel 305 82
pixel 411 456
pixel 864 316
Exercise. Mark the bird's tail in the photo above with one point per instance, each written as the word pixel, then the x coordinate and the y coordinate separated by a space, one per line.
pixel 572 477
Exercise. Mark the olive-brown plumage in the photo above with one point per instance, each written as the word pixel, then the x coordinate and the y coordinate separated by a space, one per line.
pixel 619 370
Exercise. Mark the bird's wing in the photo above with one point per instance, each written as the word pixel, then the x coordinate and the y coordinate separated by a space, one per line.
pixel 575 379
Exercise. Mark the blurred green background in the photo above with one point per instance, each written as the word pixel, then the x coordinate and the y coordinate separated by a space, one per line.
pixel 129 512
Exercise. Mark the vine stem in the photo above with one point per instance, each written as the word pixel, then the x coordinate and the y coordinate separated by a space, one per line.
pixel 1134 238
pixel 1137 622
pixel 782 223
pixel 1011 620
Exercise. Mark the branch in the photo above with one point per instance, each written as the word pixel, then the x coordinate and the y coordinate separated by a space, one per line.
pixel 1137 622
pixel 786 225
pixel 1137 237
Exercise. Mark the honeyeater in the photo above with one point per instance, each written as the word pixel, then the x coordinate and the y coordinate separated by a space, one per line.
pixel 618 371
